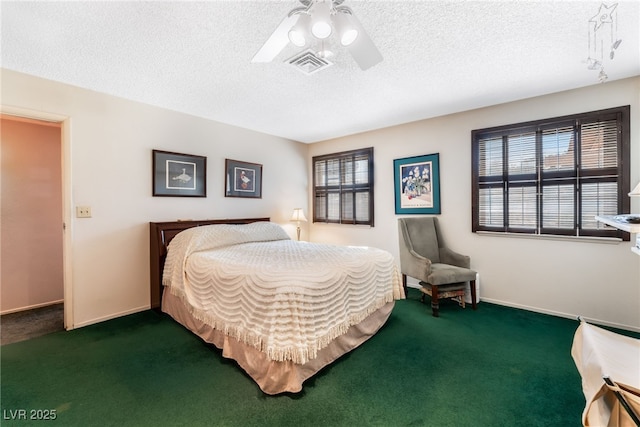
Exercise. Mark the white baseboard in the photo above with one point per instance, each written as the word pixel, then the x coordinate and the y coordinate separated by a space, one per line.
pixel 109 317
pixel 31 307
pixel 565 315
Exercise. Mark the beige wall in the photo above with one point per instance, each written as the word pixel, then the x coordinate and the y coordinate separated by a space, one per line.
pixel 108 143
pixel 598 280
pixel 31 215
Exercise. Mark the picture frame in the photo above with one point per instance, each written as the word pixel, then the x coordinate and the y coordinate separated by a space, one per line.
pixel 417 184
pixel 179 175
pixel 242 179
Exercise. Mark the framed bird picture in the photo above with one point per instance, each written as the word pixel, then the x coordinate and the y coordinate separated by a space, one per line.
pixel 243 179
pixel 179 175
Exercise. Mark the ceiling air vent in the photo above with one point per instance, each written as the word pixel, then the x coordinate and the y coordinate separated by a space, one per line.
pixel 308 62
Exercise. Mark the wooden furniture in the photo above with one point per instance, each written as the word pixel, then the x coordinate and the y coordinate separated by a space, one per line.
pixel 455 290
pixel 161 234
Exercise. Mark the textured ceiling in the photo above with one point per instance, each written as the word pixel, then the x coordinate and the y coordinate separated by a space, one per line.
pixel 440 57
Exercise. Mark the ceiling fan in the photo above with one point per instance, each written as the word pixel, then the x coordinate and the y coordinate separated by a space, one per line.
pixel 313 24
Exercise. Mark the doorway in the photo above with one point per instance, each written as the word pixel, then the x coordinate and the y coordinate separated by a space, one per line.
pixel 32 237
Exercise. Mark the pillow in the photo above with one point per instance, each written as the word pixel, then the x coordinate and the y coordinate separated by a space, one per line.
pixel 209 237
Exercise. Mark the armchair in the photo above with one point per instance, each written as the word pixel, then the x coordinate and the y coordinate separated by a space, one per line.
pixel 423 256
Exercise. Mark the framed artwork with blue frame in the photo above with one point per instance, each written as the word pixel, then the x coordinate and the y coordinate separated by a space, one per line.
pixel 417 184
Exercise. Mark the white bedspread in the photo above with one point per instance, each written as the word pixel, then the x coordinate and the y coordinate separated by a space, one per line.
pixel 288 299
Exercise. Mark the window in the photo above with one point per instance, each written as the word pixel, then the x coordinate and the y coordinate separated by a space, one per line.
pixel 552 176
pixel 343 187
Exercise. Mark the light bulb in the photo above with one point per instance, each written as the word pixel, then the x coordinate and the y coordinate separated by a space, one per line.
pixel 349 37
pixel 298 33
pixel 321 30
pixel 297 38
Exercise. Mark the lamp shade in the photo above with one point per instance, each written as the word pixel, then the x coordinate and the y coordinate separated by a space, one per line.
pixel 321 20
pixel 346 30
pixel 636 191
pixel 298 215
pixel 299 32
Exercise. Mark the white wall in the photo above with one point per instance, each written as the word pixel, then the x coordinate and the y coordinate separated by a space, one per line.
pixel 109 142
pixel 600 281
pixel 108 160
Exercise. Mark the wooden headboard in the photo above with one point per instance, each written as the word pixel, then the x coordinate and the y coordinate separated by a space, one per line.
pixel 161 234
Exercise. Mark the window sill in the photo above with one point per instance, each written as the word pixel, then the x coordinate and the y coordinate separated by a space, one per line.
pixel 589 239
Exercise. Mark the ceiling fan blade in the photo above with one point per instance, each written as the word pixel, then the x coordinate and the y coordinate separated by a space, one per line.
pixel 277 41
pixel 364 52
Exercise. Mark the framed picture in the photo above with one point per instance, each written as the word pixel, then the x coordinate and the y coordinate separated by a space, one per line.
pixel 243 179
pixel 417 184
pixel 179 175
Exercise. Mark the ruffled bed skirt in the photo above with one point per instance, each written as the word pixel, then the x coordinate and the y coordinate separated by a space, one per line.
pixel 275 377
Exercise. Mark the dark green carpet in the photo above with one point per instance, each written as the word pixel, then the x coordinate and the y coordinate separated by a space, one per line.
pixel 494 367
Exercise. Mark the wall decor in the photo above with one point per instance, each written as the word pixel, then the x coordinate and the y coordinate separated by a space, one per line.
pixel 417 184
pixel 179 175
pixel 243 179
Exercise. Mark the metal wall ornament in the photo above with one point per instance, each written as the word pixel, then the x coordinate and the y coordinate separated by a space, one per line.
pixel 603 39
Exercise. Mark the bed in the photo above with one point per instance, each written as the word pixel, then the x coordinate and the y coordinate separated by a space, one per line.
pixel 280 308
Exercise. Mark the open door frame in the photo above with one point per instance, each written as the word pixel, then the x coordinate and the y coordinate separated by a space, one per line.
pixel 67 205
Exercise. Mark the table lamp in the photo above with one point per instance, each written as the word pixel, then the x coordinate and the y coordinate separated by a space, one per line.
pixel 298 216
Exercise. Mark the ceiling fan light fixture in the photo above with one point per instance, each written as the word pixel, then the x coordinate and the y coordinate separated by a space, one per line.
pixel 298 33
pixel 346 30
pixel 321 20
pixel 315 21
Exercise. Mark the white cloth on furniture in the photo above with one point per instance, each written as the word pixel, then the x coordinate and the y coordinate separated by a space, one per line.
pixel 601 353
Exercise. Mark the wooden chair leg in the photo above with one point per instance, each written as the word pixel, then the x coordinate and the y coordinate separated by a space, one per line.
pixel 404 284
pixel 435 302
pixel 472 285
